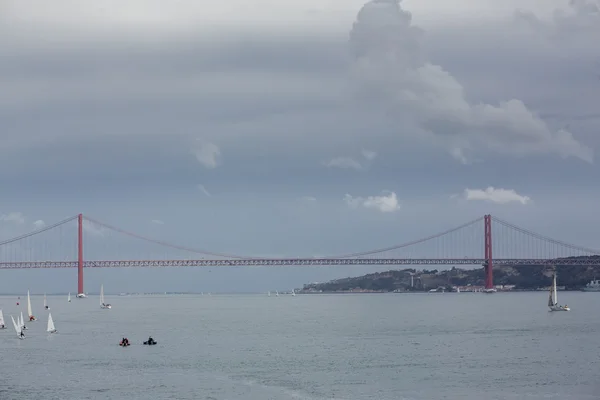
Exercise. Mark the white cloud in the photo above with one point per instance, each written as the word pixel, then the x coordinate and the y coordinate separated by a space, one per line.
pixel 387 202
pixel 93 229
pixel 207 154
pixel 39 224
pixel 458 154
pixel 16 217
pixel 308 199
pixel 393 71
pixel 369 155
pixel 351 163
pixel 203 190
pixel 344 163
pixel 157 222
pixel 499 196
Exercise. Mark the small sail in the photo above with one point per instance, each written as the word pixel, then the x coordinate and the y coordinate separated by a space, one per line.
pixel 69 297
pixel 101 294
pixel 22 321
pixel 554 294
pixel 1 318
pixel 29 305
pixel 293 292
pixel 51 328
pixel 550 303
pixel 45 302
pixel 16 325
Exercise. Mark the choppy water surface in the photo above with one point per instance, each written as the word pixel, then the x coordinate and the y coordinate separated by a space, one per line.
pixel 393 346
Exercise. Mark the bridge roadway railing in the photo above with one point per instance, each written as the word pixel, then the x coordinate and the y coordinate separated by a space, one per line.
pixel 297 262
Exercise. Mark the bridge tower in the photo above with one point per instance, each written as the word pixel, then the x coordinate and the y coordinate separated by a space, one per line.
pixel 488 264
pixel 80 292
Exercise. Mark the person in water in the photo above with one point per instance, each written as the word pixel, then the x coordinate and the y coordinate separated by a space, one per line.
pixel 150 340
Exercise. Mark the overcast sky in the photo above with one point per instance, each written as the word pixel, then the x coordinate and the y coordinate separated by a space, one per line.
pixel 295 128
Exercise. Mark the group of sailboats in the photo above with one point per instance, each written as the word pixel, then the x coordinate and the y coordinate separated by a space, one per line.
pixel 19 324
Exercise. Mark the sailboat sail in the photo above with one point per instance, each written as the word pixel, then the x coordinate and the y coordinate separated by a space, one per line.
pixel 1 318
pixel 554 294
pixel 22 321
pixel 45 302
pixel 51 327
pixel 102 301
pixel 550 300
pixel 29 305
pixel 69 297
pixel 16 325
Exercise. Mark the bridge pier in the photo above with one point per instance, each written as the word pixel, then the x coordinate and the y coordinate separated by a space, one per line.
pixel 489 273
pixel 80 292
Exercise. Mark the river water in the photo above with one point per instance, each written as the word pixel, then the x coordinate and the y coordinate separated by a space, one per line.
pixel 254 347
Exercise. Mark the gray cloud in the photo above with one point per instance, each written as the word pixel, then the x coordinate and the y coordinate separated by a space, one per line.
pixel 391 69
pixel 578 20
pixel 268 101
pixel 114 126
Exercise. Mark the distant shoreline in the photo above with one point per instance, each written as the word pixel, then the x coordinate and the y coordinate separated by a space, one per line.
pixel 281 294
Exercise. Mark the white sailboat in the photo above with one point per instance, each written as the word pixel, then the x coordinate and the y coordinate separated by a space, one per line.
pixel 51 328
pixel 276 293
pixel 45 303
pixel 102 303
pixel 269 293
pixel 22 321
pixel 2 325
pixel 69 297
pixel 29 312
pixel 18 328
pixel 293 292
pixel 553 298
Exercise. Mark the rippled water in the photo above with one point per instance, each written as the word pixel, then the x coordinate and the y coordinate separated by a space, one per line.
pixel 393 346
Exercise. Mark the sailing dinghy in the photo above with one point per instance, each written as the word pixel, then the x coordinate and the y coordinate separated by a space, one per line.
pixel 21 322
pixel 2 325
pixel 102 303
pixel 69 297
pixel 553 298
pixel 18 329
pixel 51 328
pixel 31 317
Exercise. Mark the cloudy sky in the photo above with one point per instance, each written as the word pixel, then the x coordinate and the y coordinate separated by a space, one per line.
pixel 299 127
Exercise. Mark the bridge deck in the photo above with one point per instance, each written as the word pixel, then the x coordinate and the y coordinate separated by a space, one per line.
pixel 294 262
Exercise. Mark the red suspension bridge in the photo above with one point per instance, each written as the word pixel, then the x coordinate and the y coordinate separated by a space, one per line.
pixel 57 246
